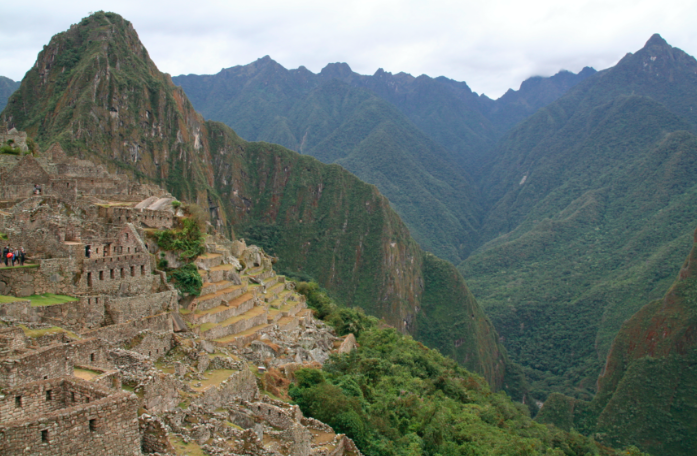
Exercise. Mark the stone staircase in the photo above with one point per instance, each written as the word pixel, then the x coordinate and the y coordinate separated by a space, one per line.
pixel 230 313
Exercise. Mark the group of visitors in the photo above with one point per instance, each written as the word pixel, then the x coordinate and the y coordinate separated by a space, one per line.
pixel 13 255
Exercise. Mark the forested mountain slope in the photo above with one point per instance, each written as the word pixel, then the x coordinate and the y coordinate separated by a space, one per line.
pixel 646 390
pixel 417 139
pixel 95 90
pixel 7 88
pixel 589 202
pixel 339 123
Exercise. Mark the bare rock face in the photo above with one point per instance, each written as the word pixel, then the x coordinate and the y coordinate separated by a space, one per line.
pixel 348 345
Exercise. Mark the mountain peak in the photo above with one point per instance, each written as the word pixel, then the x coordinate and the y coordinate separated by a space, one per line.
pixel 338 70
pixel 656 40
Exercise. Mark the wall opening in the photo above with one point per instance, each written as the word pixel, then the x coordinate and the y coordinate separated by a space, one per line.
pixel 112 274
pixel 142 269
pixel 18 401
pixel 91 357
pixel 44 436
pixel 123 275
pixel 93 425
pixel 49 395
pixel 72 396
pixel 101 275
pixel 133 271
pixel 89 279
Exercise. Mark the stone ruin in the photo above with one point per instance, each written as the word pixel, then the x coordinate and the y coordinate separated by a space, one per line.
pixel 129 366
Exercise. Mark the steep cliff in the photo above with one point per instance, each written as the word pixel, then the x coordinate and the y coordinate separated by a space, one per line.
pixel 96 91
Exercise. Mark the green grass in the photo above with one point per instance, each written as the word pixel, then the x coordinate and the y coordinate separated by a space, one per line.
pixel 46 299
pixel 44 331
pixel 49 299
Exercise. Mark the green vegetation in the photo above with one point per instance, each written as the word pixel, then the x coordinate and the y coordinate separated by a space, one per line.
pixel 646 394
pixel 46 299
pixel 590 213
pixel 9 149
pixel 393 396
pixel 189 242
pixel 47 331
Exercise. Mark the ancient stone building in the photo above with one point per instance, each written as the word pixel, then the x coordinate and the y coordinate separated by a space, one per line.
pixel 62 371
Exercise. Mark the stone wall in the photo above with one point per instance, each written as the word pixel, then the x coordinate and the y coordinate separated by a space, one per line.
pixel 275 416
pixel 161 393
pixel 46 396
pixel 44 362
pixel 123 309
pixel 12 339
pixel 120 333
pixel 152 345
pixel 52 276
pixel 107 424
pixel 240 385
pixel 122 274
pixel 89 352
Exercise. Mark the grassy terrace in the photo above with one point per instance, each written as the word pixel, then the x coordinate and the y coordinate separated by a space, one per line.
pixel 46 299
pixel 44 331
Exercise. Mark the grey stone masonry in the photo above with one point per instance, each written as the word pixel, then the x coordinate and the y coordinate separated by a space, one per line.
pixel 65 416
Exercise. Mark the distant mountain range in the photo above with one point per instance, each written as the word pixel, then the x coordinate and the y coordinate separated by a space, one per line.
pixel 577 186
pixel 417 139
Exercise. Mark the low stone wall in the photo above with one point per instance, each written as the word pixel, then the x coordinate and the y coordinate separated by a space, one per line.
pixel 52 276
pixel 45 362
pixel 240 385
pixel 153 345
pixel 105 425
pixel 275 416
pixel 120 333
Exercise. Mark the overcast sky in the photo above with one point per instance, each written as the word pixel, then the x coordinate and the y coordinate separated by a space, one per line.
pixel 492 45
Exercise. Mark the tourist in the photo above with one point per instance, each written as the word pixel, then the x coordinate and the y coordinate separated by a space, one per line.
pixel 5 251
pixel 22 256
pixel 10 256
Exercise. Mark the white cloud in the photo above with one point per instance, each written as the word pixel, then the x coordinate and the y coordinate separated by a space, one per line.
pixel 491 45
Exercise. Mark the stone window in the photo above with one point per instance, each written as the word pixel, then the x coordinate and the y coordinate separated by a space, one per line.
pixel 112 274
pixel 49 395
pixel 126 236
pixel 101 275
pixel 91 357
pixel 89 279
pixel 133 271
pixel 93 425
pixel 44 436
pixel 18 401
pixel 142 269
pixel 128 250
pixel 96 300
pixel 87 399
pixel 72 396
pixel 123 274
